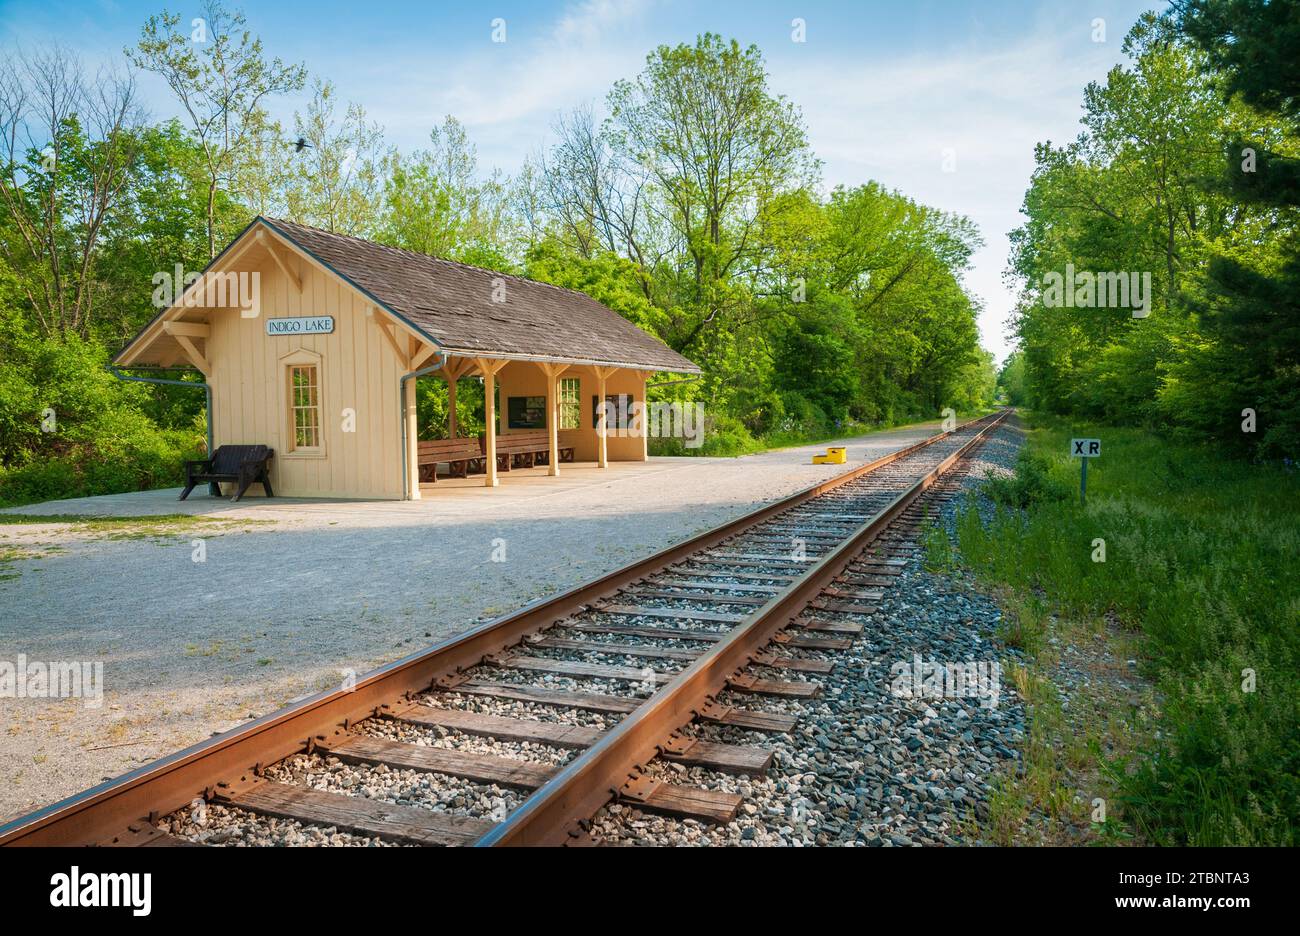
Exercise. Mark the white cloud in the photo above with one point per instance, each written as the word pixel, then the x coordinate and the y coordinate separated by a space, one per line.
pixel 892 120
pixel 508 93
pixel 589 23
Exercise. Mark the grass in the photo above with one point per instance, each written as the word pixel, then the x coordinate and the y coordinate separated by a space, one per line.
pixel 145 526
pixel 1200 583
pixel 132 524
pixel 11 554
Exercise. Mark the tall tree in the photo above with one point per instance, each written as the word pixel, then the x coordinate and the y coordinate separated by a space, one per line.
pixel 222 79
pixel 435 202
pixel 336 181
pixel 1250 299
pixel 68 147
pixel 718 148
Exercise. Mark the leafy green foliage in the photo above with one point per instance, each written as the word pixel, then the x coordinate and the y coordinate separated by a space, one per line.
pixel 99 441
pixel 1011 382
pixel 1186 170
pixel 1037 480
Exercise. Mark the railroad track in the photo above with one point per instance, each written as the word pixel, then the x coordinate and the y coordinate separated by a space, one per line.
pixel 591 691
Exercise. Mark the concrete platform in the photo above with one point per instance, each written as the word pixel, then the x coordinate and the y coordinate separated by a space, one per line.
pixel 751 479
pixel 534 482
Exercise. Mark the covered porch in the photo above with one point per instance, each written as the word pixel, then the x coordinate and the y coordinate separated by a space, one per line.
pixel 539 419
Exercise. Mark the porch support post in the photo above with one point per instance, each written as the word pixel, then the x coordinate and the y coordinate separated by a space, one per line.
pixel 489 368
pixel 452 380
pixel 452 372
pixel 412 442
pixel 553 372
pixel 645 415
pixel 602 415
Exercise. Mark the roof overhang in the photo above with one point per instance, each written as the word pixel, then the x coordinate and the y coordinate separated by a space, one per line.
pixel 576 362
pixel 261 227
pixel 248 238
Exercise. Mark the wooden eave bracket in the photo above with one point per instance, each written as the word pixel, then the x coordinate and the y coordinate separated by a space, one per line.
pixel 388 330
pixel 553 370
pixel 183 333
pixel 189 329
pixel 425 352
pixel 273 249
pixel 490 367
pixel 456 368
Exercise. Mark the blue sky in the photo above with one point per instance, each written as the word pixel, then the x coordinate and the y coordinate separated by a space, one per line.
pixel 886 87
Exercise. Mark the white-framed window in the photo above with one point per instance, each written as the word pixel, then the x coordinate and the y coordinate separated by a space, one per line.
pixel 570 402
pixel 304 406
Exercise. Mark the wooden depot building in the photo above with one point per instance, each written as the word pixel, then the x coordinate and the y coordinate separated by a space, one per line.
pixel 311 343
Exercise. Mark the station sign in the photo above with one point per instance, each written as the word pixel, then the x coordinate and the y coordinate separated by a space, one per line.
pixel 306 325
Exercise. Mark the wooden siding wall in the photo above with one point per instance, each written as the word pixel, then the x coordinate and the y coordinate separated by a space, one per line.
pixel 523 378
pixel 358 370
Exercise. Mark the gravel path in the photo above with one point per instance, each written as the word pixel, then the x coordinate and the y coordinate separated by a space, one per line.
pixel 285 605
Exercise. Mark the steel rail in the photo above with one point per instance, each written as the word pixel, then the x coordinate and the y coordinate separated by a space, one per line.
pixel 584 785
pixel 169 783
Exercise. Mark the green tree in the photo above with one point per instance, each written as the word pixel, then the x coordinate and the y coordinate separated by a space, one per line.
pixel 1141 191
pixel 700 132
pixel 1011 379
pixel 68 150
pixel 337 176
pixel 435 203
pixel 222 79
pixel 1249 298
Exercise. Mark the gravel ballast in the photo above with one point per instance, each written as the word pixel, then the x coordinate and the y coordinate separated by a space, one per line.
pixel 865 766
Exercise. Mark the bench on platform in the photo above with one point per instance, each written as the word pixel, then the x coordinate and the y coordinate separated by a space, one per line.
pixel 240 465
pixel 528 448
pixel 461 455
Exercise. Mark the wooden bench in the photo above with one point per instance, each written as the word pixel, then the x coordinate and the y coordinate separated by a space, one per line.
pixel 461 455
pixel 240 465
pixel 531 448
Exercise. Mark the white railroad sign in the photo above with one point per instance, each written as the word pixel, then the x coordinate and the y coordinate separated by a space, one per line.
pixel 1084 449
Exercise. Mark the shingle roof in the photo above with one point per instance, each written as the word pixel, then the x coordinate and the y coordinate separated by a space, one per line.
pixel 453 304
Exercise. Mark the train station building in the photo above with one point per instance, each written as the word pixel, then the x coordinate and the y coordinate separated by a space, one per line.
pixel 312 343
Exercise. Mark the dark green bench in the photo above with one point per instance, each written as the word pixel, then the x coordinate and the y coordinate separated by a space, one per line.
pixel 240 465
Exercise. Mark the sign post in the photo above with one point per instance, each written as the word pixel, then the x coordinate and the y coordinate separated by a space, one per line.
pixel 1084 449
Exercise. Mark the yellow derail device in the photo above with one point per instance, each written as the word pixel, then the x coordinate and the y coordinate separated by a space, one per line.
pixel 836 455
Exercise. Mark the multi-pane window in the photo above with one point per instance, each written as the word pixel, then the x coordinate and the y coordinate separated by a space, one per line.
pixel 570 403
pixel 304 405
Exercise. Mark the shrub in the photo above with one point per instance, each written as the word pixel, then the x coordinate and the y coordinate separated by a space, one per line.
pixel 1037 479
pixel 100 440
